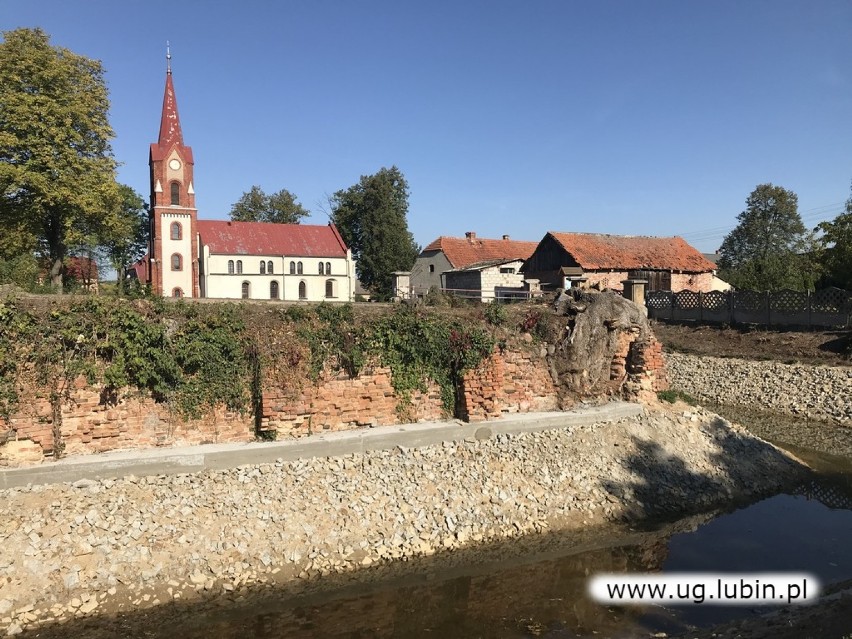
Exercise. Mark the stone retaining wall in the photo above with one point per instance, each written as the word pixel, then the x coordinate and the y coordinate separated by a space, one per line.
pixel 817 392
pixel 76 550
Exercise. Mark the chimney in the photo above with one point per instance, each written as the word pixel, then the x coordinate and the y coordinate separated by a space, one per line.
pixel 505 237
pixel 471 236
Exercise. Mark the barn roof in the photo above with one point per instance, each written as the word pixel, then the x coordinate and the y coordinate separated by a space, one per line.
pixel 596 251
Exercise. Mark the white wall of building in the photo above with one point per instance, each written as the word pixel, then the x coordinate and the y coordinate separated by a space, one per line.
pixel 182 278
pixel 218 282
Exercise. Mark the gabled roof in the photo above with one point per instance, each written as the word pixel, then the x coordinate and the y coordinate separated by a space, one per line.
pixel 223 237
pixel 594 251
pixel 465 251
pixel 139 269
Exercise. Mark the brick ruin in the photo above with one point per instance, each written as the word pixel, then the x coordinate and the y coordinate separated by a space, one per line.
pixel 521 376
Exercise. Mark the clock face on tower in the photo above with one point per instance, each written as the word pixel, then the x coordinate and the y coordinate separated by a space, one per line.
pixel 174 165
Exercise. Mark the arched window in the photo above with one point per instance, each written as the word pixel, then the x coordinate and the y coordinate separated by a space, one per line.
pixel 262 267
pixel 175 186
pixel 321 268
pixel 269 267
pixel 177 262
pixel 329 288
pixel 299 268
pixel 239 266
pixel 230 267
pixel 328 268
pixel 303 291
pixel 273 290
pixel 246 290
pixel 176 231
pixel 292 268
pixel 176 292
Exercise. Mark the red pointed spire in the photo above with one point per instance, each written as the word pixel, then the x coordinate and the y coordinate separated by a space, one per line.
pixel 170 132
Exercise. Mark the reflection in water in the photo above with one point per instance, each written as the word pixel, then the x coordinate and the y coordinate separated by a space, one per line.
pixel 542 599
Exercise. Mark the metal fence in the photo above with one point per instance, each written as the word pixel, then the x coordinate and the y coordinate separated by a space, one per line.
pixel 829 307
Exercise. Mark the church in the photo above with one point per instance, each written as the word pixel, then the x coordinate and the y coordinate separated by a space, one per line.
pixel 189 257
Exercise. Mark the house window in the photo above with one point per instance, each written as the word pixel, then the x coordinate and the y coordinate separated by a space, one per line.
pixel 431 268
pixel 175 187
pixel 303 290
pixel 230 267
pixel 246 290
pixel 507 269
pixel 321 268
pixel 299 268
pixel 177 231
pixel 269 267
pixel 329 288
pixel 176 292
pixel 262 267
pixel 177 262
pixel 273 290
pixel 328 268
pixel 239 266
pixel 292 268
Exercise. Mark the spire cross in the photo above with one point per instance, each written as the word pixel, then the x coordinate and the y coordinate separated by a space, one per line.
pixel 168 59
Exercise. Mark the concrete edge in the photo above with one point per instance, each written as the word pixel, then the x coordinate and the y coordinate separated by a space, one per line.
pixel 222 456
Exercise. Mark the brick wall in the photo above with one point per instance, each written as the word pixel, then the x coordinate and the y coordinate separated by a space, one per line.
pixel 340 403
pixel 509 381
pixel 90 424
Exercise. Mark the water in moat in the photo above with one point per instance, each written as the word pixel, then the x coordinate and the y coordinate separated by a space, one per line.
pixel 543 594
pixel 806 529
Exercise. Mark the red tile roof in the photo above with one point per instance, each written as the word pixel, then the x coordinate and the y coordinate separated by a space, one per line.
pixel 464 251
pixel 263 238
pixel 595 251
pixel 139 269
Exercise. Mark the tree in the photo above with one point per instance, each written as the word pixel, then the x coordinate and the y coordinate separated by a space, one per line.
pixel 57 172
pixel 769 248
pixel 257 206
pixel 127 240
pixel 837 252
pixel 371 217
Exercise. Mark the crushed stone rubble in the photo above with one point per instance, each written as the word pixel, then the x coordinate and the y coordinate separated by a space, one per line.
pixel 95 546
pixel 817 392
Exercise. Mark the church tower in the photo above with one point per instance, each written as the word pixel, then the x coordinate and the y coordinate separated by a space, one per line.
pixel 173 249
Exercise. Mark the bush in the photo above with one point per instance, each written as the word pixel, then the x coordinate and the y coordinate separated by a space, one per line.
pixel 671 396
pixel 495 314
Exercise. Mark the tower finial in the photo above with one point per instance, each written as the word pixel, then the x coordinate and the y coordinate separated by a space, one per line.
pixel 168 59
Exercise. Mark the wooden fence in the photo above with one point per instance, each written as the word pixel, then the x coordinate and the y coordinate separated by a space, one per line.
pixel 828 308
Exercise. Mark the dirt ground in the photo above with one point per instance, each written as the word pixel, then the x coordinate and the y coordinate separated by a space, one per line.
pixel 829 347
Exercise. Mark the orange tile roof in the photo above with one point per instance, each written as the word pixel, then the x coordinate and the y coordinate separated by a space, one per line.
pixel 594 251
pixel 463 251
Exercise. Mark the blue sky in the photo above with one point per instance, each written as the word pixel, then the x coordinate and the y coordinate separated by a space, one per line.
pixel 652 118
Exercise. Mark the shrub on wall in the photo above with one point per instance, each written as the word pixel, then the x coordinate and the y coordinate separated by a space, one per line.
pixel 198 356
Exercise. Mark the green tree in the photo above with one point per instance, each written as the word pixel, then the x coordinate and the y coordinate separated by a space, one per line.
pixel 836 257
pixel 126 241
pixel 257 206
pixel 769 249
pixel 371 217
pixel 57 172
